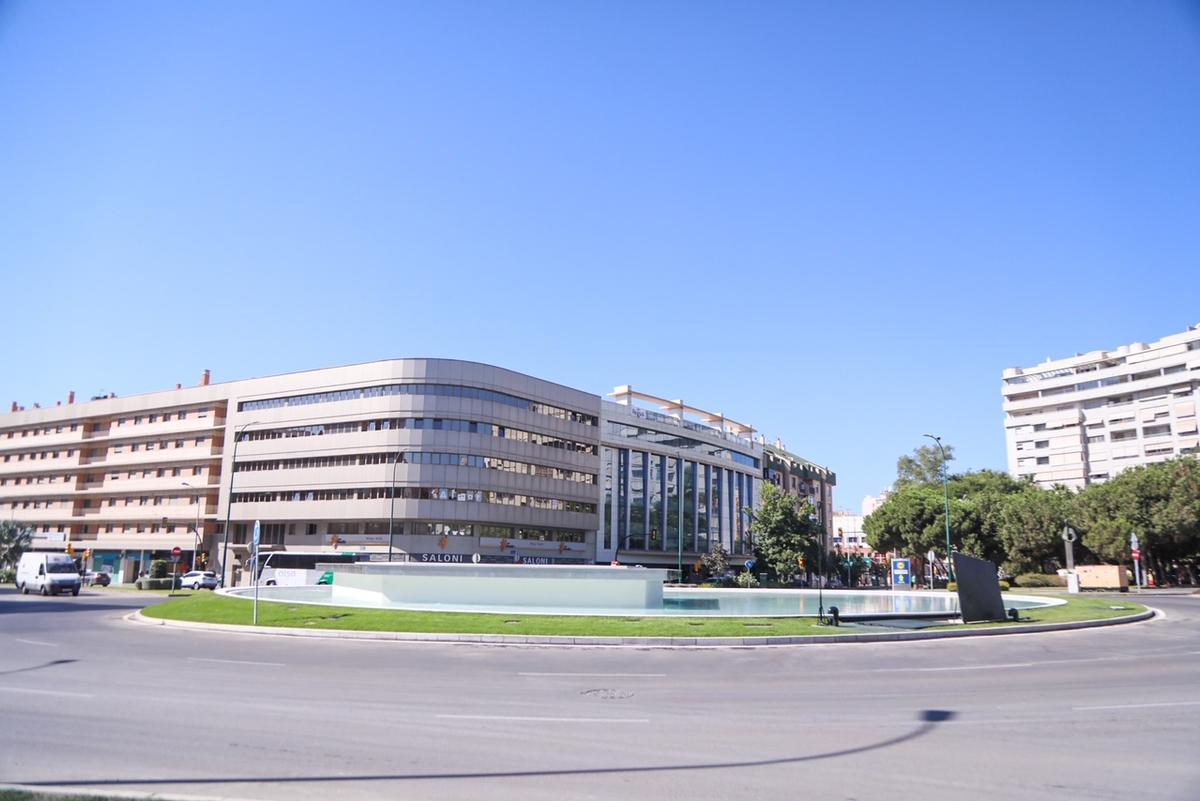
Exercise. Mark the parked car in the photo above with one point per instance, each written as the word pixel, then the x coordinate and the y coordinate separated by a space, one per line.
pixel 199 579
pixel 97 578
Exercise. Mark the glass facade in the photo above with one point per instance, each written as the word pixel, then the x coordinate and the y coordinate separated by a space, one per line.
pixel 665 503
pixel 606 471
pixel 440 390
pixel 638 512
pixel 615 428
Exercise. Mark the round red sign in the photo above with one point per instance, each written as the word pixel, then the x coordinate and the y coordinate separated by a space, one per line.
pixel 176 551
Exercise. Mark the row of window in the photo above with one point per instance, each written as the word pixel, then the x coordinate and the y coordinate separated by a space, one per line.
pixel 667 439
pixel 352 528
pixel 134 447
pixel 161 472
pixel 437 390
pixel 137 420
pixel 423 424
pixel 421 457
pixel 415 494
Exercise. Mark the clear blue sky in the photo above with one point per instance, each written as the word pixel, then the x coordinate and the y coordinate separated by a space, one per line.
pixel 837 221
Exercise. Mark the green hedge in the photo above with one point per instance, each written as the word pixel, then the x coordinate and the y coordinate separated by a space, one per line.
pixel 155 583
pixel 953 586
pixel 1040 580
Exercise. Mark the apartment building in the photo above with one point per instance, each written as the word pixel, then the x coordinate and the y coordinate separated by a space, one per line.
pixel 802 479
pixel 1084 419
pixel 128 478
pixel 423 459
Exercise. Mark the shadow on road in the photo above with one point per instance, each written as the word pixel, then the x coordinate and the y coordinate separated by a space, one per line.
pixel 51 663
pixel 929 719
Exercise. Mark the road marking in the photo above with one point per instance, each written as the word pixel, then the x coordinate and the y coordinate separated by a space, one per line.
pixel 528 719
pixel 1137 706
pixel 32 691
pixel 600 675
pixel 39 642
pixel 962 667
pixel 235 662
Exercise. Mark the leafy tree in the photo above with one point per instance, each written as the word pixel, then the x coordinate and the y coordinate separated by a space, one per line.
pixel 784 530
pixel 1031 524
pixel 1160 502
pixel 716 561
pixel 924 466
pixel 913 520
pixel 15 539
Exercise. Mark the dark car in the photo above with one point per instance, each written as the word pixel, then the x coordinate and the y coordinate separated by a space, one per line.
pixel 97 578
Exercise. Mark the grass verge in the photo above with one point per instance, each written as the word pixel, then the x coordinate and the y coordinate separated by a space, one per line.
pixel 207 607
pixel 24 795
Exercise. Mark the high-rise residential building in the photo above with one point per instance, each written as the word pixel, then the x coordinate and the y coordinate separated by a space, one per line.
pixel 1083 419
pixel 426 459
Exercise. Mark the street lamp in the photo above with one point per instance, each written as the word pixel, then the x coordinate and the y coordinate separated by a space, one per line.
pixel 392 508
pixel 196 529
pixel 237 436
pixel 946 495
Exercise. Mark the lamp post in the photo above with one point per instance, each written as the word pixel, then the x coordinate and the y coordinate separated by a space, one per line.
pixel 196 529
pixel 946 495
pixel 392 508
pixel 237 436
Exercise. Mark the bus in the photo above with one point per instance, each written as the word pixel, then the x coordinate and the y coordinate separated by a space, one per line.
pixel 295 568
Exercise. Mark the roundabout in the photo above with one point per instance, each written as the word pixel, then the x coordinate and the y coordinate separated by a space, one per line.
pixel 218 714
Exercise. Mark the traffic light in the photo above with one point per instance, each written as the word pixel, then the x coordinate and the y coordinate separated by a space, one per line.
pixel 87 554
pixel 802 562
pixel 202 560
pixel 70 549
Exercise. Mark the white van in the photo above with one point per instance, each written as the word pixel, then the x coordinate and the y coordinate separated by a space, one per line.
pixel 47 573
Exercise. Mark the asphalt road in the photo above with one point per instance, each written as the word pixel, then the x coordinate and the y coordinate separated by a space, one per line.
pixel 89 700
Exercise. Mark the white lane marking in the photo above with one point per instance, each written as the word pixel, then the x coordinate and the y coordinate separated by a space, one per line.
pixel 600 675
pixel 1136 706
pixel 530 719
pixel 32 691
pixel 962 667
pixel 39 642
pixel 235 662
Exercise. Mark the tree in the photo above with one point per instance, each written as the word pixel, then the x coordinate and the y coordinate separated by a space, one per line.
pixel 15 539
pixel 784 531
pixel 923 467
pixel 913 520
pixel 716 561
pixel 1031 525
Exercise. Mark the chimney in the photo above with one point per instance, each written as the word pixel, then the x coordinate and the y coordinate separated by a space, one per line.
pixel 207 376
pixel 70 397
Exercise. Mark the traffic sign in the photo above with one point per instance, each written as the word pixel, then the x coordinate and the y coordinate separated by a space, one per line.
pixel 1137 554
pixel 749 564
pixel 177 552
pixel 257 529
pixel 1133 540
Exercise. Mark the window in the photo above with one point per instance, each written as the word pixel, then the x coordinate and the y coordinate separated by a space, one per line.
pixel 1045 443
pixel 1156 431
pixel 195 471
pixel 153 419
pixel 1094 440
pixel 1043 460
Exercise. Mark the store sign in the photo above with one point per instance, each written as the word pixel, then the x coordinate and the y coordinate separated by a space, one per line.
pixel 492 559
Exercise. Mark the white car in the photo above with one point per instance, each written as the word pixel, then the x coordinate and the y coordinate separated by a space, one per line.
pixel 198 579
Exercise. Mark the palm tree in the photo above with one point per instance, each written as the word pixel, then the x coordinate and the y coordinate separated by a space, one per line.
pixel 15 539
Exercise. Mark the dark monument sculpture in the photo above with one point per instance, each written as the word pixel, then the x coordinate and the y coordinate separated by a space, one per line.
pixel 978 589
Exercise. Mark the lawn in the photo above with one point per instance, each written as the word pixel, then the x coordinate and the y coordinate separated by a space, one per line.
pixel 207 607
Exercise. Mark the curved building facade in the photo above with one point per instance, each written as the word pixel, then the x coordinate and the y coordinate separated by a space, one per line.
pixel 432 459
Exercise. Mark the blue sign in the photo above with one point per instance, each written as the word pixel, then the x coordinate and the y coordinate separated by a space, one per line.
pixel 749 564
pixel 901 574
pixel 257 528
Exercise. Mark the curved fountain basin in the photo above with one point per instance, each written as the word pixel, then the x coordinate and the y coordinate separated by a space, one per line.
pixel 676 603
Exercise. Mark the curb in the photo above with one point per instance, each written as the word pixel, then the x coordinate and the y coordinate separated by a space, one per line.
pixel 638 642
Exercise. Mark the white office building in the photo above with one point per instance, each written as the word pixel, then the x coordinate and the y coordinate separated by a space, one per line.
pixel 1084 419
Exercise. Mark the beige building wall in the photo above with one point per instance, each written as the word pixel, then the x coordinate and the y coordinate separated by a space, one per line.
pixel 1084 419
